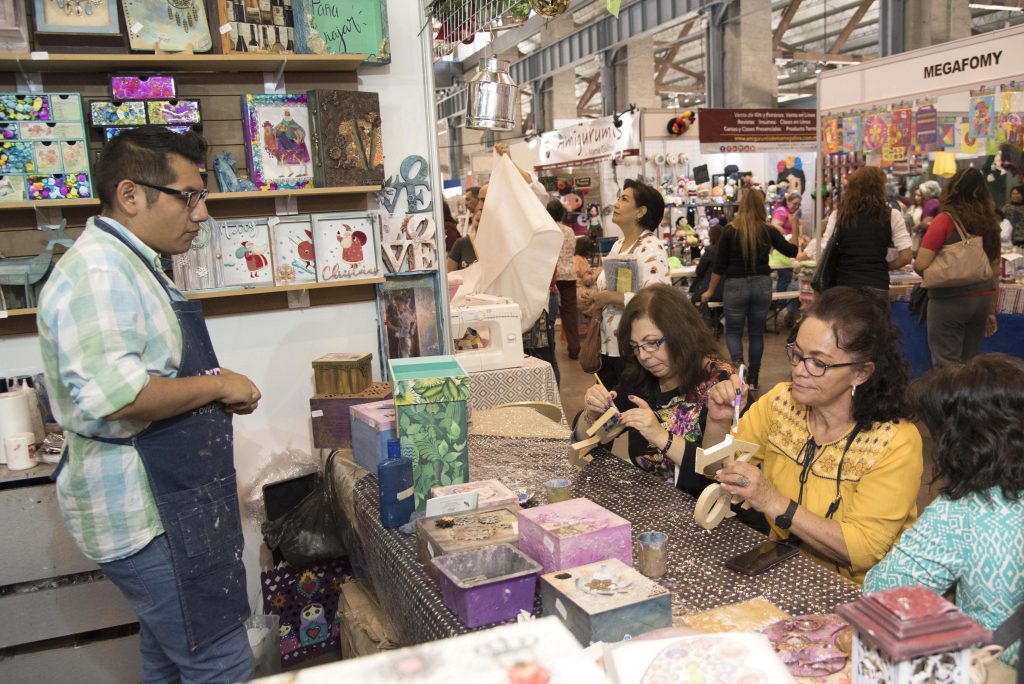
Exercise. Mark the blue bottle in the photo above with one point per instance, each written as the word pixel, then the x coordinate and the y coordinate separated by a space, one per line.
pixel 396 487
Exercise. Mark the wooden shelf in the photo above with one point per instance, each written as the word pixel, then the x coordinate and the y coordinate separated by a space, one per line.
pixel 213 197
pixel 51 62
pixel 269 289
pixel 20 312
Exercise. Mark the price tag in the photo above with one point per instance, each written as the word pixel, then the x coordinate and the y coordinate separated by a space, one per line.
pixel 224 29
pixel 549 544
pixel 316 414
pixel 136 28
pixel 40 55
pixel 405 494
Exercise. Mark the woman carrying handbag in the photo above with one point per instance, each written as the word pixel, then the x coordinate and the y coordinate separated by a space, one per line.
pixel 959 261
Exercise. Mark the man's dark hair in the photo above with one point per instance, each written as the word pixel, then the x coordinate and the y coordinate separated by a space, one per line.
pixel 143 154
pixel 556 210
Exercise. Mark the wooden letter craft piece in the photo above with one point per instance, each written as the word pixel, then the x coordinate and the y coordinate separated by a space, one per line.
pixel 713 505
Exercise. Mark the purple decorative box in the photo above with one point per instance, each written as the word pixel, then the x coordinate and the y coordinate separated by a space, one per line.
pixel 152 87
pixel 173 111
pixel 571 533
pixel 487 585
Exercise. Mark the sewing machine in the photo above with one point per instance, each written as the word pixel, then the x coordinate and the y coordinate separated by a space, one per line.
pixel 497 321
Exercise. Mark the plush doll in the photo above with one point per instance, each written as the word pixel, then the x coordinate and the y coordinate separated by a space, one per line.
pixel 730 189
pixel 572 200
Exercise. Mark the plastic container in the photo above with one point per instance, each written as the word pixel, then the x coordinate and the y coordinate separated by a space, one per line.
pixel 487 585
pixel 396 487
pixel 373 426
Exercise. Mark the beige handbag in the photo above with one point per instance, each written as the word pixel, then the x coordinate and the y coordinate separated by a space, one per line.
pixel 959 263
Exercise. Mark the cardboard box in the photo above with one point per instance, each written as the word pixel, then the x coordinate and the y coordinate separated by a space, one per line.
pixel 332 427
pixel 342 373
pixel 572 533
pixel 492 493
pixel 595 610
pixel 431 395
pixel 373 425
pixel 365 628
pixel 467 531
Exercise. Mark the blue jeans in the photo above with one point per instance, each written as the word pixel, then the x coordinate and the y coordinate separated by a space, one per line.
pixel 147 581
pixel 747 300
pixel 785 284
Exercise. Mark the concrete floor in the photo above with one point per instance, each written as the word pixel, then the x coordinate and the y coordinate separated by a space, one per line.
pixel 775 368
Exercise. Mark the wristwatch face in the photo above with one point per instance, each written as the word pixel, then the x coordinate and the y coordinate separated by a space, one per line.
pixel 784 521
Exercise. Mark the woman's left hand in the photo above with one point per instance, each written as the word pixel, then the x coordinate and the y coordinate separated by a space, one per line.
pixel 747 480
pixel 645 421
pixel 991 326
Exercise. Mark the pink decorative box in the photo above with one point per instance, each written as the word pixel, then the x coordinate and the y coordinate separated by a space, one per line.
pixel 572 533
pixel 492 493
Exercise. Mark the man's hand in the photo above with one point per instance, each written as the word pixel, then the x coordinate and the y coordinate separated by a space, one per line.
pixel 239 394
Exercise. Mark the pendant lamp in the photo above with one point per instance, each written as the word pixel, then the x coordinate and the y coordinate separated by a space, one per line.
pixel 491 100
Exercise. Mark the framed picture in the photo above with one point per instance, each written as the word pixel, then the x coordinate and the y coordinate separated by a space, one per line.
pixel 243 247
pixel 350 150
pixel 346 27
pixel 13 28
pixel 277 140
pixel 407 307
pixel 346 246
pixel 291 239
pixel 262 27
pixel 197 269
pixel 96 17
pixel 166 25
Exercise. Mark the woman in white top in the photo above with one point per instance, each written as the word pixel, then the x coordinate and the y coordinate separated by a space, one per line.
pixel 868 226
pixel 638 213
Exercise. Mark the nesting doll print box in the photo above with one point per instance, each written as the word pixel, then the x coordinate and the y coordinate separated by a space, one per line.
pixel 571 533
pixel 431 395
pixel 468 531
pixel 332 427
pixel 605 601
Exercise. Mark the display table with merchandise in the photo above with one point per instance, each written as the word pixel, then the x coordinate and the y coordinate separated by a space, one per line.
pixel 535 381
pixel 696 576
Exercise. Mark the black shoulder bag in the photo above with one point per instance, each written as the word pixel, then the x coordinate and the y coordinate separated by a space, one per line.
pixel 825 275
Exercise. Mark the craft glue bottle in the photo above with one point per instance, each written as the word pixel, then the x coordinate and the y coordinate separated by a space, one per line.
pixel 396 487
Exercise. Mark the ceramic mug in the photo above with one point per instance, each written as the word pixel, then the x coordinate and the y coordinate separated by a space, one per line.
pixel 21 450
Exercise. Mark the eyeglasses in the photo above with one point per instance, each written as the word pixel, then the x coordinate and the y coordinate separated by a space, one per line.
pixel 811 365
pixel 650 347
pixel 192 198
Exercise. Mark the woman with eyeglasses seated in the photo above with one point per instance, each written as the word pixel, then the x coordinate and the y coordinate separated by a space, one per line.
pixel 970 536
pixel 840 464
pixel 670 362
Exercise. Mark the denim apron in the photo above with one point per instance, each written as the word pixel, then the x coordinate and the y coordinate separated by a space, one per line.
pixel 189 460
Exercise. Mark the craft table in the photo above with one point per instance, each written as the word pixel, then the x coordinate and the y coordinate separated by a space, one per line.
pixel 696 576
pixel 535 381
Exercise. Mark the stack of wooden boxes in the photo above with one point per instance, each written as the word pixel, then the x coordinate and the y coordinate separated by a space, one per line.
pixel 342 381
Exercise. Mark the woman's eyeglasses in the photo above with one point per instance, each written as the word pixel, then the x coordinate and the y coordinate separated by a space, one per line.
pixel 650 346
pixel 192 198
pixel 813 366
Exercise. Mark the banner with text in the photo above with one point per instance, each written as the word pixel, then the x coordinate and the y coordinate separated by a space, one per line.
pixel 758 130
pixel 587 142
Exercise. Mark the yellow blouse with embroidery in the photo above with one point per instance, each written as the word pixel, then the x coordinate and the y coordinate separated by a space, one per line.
pixel 880 479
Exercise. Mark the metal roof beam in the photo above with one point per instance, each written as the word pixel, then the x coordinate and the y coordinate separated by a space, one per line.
pixel 640 19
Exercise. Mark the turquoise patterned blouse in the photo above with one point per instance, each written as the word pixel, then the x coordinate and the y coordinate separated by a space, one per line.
pixel 972 544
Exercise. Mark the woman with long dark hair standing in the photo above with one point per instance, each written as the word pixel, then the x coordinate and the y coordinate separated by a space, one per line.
pixel 866 225
pixel 959 317
pixel 742 260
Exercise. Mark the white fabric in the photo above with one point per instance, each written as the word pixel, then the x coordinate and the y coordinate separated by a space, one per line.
pixel 897 226
pixel 516 245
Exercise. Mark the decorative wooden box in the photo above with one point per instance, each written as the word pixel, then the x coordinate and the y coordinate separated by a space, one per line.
pixel 488 584
pixel 491 493
pixel 571 533
pixel 910 634
pixel 431 395
pixel 347 138
pixel 341 373
pixel 373 425
pixel 605 601
pixel 332 427
pixel 466 531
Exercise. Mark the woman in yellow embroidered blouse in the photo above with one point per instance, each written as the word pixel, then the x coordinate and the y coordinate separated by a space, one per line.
pixel 840 464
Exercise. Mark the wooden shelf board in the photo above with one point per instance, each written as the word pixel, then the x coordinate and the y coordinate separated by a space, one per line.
pixel 11 313
pixel 13 61
pixel 215 294
pixel 213 197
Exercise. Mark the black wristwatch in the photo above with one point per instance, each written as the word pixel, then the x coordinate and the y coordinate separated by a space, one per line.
pixel 785 521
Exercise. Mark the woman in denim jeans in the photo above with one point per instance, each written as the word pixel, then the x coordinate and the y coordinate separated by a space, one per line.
pixel 742 260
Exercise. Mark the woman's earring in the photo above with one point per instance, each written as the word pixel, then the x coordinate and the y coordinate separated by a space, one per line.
pixel 853 390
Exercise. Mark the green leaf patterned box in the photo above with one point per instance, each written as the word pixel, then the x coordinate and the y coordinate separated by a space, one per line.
pixel 431 395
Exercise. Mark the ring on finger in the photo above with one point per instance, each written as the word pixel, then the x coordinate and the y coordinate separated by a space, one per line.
pixel 744 481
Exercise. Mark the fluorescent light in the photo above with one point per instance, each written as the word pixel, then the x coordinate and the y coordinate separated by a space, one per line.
pixel 997 8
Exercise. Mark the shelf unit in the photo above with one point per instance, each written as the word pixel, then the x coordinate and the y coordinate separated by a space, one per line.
pixel 239 73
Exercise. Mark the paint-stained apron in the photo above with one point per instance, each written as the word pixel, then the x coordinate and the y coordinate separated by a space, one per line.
pixel 189 460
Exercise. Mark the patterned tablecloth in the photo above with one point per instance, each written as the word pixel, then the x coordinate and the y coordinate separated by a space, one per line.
pixel 696 576
pixel 535 381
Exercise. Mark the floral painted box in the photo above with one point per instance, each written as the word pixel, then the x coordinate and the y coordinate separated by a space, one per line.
pixel 491 493
pixel 431 394
pixel 572 533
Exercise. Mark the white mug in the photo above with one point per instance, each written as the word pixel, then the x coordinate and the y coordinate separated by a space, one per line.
pixel 21 449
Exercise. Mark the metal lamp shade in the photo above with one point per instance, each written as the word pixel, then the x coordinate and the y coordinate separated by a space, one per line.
pixel 491 100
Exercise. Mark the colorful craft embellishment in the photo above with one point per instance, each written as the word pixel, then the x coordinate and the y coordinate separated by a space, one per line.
pixel 15 107
pixel 9 131
pixel 142 87
pixel 66 186
pixel 173 111
pixel 16 157
pixel 106 113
